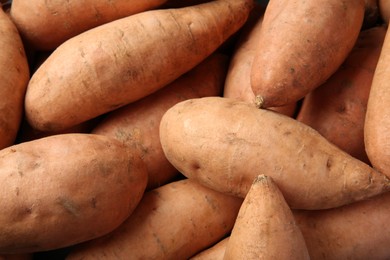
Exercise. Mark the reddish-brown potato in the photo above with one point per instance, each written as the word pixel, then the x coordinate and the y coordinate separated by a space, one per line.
pixel 137 124
pixel 301 44
pixel 224 144
pixel 66 189
pixel 265 227
pixel 123 61
pixel 377 120
pixel 174 221
pixel 14 78
pixel 47 24
pixel 337 108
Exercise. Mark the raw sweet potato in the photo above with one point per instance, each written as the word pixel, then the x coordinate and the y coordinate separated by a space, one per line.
pixel 358 231
pixel 123 61
pixel 337 108
pixel 14 78
pixel 137 124
pixel 377 120
pixel 265 227
pixel 215 252
pixel 237 83
pixel 66 189
pixel 174 221
pixel 301 44
pixel 224 144
pixel 47 24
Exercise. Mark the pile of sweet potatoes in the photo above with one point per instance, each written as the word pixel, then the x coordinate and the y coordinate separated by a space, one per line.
pixel 197 129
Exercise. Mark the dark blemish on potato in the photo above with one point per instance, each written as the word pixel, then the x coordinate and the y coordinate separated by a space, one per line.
pixel 159 243
pixel 93 203
pixel 21 174
pixel 341 108
pixel 17 191
pixel 210 202
pixel 69 206
pixel 13 150
pixel 292 70
pixel 329 163
pixel 287 133
pixel 195 166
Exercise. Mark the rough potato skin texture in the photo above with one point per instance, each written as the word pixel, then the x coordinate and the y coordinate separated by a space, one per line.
pixel 224 144
pixel 302 43
pixel 14 78
pixel 47 24
pixel 123 61
pixel 358 231
pixel 265 227
pixel 174 221
pixel 377 121
pixel 137 124
pixel 337 108
pixel 66 189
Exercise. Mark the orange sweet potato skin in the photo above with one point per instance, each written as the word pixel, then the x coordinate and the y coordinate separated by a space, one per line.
pixel 174 221
pixel 47 24
pixel 121 62
pixel 14 78
pixel 137 125
pixel 65 189
pixel 302 43
pixel 337 108
pixel 243 141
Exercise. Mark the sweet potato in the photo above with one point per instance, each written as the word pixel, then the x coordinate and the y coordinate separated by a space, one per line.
pixel 377 120
pixel 14 78
pixel 66 189
pixel 123 61
pixel 215 252
pixel 337 108
pixel 384 10
pixel 265 227
pixel 358 231
pixel 47 24
pixel 174 221
pixel 237 83
pixel 224 144
pixel 137 124
pixel 301 44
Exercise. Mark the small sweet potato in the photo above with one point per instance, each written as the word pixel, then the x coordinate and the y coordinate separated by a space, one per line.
pixel 224 144
pixel 66 189
pixel 301 44
pixel 174 221
pixel 265 227
pixel 137 124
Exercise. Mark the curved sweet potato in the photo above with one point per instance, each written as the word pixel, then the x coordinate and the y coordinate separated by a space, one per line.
pixel 123 61
pixel 224 144
pixel 66 189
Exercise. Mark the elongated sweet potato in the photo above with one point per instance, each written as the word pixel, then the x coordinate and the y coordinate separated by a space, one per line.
pixel 123 61
pixel 14 78
pixel 337 108
pixel 174 221
pixel 65 189
pixel 137 124
pixel 377 120
pixel 358 231
pixel 265 227
pixel 47 24
pixel 237 83
pixel 224 144
pixel 301 44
